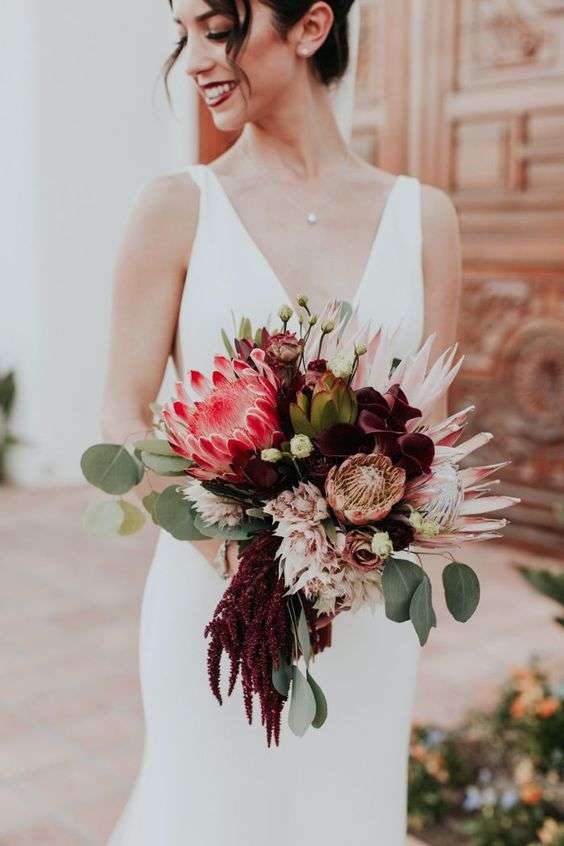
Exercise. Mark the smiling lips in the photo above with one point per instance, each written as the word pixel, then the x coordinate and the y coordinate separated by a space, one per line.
pixel 215 93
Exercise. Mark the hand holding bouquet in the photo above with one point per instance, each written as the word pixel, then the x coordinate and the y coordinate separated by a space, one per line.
pixel 313 451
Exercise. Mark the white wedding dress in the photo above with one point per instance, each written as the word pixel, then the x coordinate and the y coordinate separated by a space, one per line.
pixel 207 777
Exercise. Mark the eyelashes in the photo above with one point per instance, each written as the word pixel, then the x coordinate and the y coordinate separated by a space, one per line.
pixel 213 36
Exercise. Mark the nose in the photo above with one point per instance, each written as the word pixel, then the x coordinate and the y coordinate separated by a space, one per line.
pixel 197 58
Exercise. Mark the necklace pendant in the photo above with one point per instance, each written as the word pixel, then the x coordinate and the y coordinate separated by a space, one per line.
pixel 312 217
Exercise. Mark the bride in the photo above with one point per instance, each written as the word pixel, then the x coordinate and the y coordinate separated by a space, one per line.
pixel 289 208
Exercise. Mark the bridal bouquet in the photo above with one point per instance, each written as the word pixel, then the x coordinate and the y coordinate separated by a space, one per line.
pixel 313 450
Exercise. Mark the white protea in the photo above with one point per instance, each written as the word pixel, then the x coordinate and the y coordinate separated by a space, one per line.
pixel 214 510
pixel 302 506
pixel 362 589
pixel 303 554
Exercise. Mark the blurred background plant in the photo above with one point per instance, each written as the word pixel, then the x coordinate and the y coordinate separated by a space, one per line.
pixel 498 779
pixel 7 399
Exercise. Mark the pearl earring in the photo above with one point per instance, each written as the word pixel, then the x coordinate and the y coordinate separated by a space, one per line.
pixel 304 51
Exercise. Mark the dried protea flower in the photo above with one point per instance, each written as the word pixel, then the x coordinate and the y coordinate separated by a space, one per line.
pixel 364 488
pixel 303 505
pixel 358 551
pixel 214 510
pixel 315 370
pixel 283 348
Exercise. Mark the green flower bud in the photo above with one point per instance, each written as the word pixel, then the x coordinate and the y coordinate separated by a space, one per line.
pixel 313 319
pixel 328 326
pixel 272 455
pixel 360 349
pixel 285 313
pixel 302 299
pixel 382 545
pixel 301 446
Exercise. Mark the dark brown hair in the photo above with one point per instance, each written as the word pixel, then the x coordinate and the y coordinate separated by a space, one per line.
pixel 329 62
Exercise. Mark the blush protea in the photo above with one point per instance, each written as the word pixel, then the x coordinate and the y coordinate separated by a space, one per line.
pixel 236 416
pixel 364 488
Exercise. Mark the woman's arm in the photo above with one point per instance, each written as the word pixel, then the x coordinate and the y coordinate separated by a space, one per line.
pixel 442 273
pixel 148 280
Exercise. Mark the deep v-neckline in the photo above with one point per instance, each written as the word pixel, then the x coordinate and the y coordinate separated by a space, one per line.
pixel 268 266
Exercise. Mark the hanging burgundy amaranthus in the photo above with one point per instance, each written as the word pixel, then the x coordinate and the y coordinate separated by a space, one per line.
pixel 251 624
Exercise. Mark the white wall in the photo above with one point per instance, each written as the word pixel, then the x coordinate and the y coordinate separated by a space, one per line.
pixel 84 124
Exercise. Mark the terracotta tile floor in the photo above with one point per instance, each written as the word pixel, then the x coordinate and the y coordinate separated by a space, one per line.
pixel 70 718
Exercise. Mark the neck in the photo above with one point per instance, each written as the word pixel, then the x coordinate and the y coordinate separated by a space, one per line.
pixel 299 135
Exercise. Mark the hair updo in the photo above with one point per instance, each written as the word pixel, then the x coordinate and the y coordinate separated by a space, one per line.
pixel 329 62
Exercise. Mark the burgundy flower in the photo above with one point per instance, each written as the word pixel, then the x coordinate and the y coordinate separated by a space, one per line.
pixel 416 454
pixel 315 369
pixel 400 531
pixel 342 439
pixel 283 348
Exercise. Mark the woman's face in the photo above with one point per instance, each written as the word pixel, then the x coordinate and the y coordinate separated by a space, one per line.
pixel 270 63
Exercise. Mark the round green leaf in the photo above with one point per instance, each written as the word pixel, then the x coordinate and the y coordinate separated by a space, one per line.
pixel 156 446
pixel 320 702
pixel 282 676
pixel 133 518
pixel 399 582
pixel 150 502
pixel 303 636
pixel 421 610
pixel 462 590
pixel 165 465
pixel 175 515
pixel 241 532
pixel 103 519
pixel 111 468
pixel 302 703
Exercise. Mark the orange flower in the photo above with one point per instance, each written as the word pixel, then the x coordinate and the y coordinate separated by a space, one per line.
pixel 531 794
pixel 547 707
pixel 518 708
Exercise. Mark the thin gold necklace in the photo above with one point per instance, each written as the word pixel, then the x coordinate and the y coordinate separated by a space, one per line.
pixel 312 216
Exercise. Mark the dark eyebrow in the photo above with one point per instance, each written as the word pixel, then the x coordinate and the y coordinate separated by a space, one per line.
pixel 203 17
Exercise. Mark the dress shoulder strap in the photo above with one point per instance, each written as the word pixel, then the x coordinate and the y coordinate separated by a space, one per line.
pixel 408 212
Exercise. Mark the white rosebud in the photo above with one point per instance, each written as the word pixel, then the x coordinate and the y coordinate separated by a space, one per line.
pixel 360 349
pixel 382 545
pixel 302 299
pixel 271 454
pixel 340 366
pixel 301 446
pixel 285 313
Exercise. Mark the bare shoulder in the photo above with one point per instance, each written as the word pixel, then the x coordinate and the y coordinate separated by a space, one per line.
pixel 439 218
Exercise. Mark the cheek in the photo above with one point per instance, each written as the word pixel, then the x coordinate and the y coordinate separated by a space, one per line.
pixel 267 60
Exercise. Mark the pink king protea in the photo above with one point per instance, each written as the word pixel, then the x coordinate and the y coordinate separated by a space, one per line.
pixel 236 416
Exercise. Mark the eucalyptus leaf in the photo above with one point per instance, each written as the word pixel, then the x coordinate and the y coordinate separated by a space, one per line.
pixel 111 468
pixel 462 590
pixel 133 518
pixel 174 513
pixel 303 636
pixel 166 465
pixel 400 580
pixel 155 446
pixel 150 502
pixel 303 706
pixel 255 512
pixel 103 519
pixel 282 676
pixel 320 702
pixel 421 610
pixel 330 529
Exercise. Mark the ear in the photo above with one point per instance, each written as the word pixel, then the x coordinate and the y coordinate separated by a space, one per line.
pixel 314 27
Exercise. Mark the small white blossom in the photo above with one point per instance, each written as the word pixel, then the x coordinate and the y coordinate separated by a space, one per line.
pixel 301 446
pixel 271 454
pixel 382 544
pixel 340 365
pixel 424 528
pixel 285 313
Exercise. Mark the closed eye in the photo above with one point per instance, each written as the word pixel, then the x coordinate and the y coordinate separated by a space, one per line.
pixel 213 36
